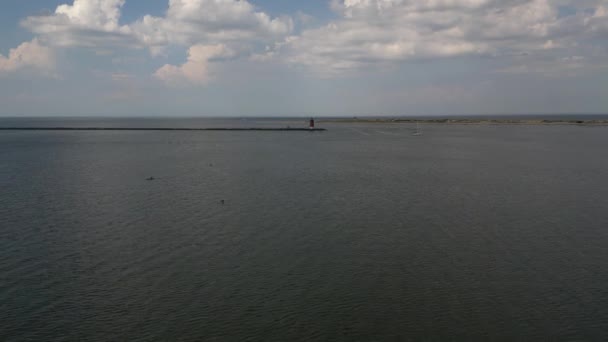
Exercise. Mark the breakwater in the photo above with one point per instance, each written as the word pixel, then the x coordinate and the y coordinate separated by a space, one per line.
pixel 159 129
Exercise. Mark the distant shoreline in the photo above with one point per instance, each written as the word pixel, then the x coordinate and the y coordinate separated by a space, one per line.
pixel 473 121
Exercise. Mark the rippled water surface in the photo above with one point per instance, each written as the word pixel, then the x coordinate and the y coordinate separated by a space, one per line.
pixel 363 232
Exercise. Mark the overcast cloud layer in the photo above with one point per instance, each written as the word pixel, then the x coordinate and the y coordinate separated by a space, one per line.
pixel 381 45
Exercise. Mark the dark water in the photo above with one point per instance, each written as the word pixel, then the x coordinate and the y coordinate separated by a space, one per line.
pixel 361 233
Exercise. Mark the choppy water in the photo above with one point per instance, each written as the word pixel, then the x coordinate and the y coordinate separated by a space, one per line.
pixel 364 232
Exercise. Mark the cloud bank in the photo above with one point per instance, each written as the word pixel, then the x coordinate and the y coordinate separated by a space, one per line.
pixel 376 32
pixel 366 33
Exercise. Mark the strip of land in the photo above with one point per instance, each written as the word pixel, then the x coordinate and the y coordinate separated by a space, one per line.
pixel 159 129
pixel 473 121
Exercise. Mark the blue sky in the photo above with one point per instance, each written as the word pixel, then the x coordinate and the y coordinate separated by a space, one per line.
pixel 316 57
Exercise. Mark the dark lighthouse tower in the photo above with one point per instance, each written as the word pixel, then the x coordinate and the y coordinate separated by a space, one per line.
pixel 312 123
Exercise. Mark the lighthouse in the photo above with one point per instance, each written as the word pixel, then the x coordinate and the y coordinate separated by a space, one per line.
pixel 312 124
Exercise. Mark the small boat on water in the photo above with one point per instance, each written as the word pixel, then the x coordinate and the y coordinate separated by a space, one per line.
pixel 417 132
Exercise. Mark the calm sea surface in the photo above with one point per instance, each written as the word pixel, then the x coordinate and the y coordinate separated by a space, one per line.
pixel 360 233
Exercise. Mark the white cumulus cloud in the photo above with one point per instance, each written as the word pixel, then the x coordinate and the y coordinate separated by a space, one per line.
pixel 28 55
pixel 197 70
pixel 186 23
pixel 200 25
pixel 89 23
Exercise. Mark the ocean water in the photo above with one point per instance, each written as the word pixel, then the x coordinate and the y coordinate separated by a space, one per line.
pixel 360 233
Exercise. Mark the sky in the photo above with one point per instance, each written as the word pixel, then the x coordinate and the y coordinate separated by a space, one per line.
pixel 302 58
